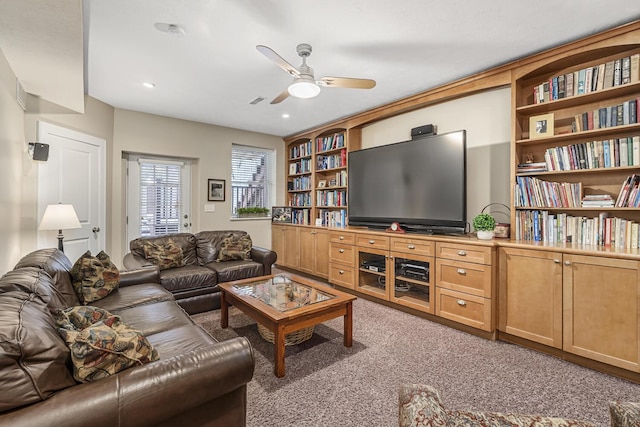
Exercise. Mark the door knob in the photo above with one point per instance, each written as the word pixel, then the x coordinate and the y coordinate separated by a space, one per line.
pixel 95 229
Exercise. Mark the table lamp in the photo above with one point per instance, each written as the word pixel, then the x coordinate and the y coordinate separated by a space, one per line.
pixel 59 217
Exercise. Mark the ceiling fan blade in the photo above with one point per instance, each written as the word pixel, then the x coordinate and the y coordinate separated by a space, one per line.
pixel 346 82
pixel 283 95
pixel 278 60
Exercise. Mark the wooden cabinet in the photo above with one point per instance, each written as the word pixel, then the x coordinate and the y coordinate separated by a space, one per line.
pixel 300 180
pixel 583 141
pixel 585 305
pixel 601 302
pixel 342 259
pixel 286 243
pixel 530 289
pixel 314 251
pixel 464 284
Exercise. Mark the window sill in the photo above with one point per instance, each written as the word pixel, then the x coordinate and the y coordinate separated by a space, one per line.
pixel 266 218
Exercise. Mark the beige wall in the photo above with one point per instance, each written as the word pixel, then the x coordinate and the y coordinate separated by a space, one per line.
pixel 13 157
pixel 486 118
pixel 209 147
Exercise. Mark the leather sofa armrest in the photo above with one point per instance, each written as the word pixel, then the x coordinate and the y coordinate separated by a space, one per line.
pixel 266 257
pixel 146 395
pixel 135 262
pixel 141 275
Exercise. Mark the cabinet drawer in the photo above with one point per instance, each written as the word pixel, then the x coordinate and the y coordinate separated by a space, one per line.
pixel 343 254
pixel 342 275
pixel 464 308
pixel 462 252
pixel 342 237
pixel 372 241
pixel 412 246
pixel 474 279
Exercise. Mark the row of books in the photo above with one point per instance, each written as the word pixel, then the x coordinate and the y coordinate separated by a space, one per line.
pixel 300 150
pixel 300 199
pixel 598 201
pixel 340 179
pixel 600 230
pixel 592 155
pixel 301 216
pixel 532 192
pixel 301 183
pixel 625 113
pixel 301 166
pixel 331 198
pixel 332 161
pixel 333 218
pixel 330 142
pixel 629 195
pixel 590 79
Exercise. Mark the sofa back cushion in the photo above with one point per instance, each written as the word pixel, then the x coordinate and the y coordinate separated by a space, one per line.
pixel 209 243
pixel 34 358
pixel 186 242
pixel 58 266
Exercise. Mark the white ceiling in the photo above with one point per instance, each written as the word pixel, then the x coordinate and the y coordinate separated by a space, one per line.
pixel 212 73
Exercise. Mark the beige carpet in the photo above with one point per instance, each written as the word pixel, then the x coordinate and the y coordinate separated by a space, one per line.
pixel 327 384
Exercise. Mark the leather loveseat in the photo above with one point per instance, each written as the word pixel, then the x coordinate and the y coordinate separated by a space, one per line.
pixel 194 282
pixel 196 381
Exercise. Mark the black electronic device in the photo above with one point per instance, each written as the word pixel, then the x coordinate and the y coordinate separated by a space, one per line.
pixel 414 271
pixel 39 151
pixel 424 131
pixel 421 184
pixel 378 266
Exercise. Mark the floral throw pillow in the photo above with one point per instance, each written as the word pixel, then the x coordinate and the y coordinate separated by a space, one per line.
pixel 94 277
pixel 164 255
pixel 235 248
pixel 624 414
pixel 100 343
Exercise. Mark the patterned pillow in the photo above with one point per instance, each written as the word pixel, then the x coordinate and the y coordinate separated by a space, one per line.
pixel 624 414
pixel 164 255
pixel 235 248
pixel 100 343
pixel 94 277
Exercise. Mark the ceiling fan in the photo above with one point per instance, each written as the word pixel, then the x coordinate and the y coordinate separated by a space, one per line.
pixel 304 83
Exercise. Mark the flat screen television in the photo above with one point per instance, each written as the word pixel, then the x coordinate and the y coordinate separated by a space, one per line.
pixel 421 183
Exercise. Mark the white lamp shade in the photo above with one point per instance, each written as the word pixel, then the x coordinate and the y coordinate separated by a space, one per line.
pixel 59 217
pixel 304 87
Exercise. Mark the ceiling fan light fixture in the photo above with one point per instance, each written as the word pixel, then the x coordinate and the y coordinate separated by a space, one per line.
pixel 304 87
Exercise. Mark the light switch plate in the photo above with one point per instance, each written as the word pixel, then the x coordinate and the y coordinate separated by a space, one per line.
pixel 209 207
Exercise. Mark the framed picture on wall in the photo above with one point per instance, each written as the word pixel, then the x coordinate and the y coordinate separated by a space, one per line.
pixel 215 190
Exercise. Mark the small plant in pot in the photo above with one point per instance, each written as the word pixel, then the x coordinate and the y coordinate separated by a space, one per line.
pixel 485 225
pixel 252 212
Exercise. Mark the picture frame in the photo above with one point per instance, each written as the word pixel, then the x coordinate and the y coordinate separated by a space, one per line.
pixel 322 183
pixel 216 190
pixel 541 126
pixel 281 214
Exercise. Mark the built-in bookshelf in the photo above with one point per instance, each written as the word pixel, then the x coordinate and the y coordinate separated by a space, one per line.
pixel 577 149
pixel 317 183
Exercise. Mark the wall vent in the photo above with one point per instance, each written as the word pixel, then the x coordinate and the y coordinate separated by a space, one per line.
pixel 256 100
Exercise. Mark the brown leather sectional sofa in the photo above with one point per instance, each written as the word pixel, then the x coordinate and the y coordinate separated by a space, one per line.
pixel 195 284
pixel 196 382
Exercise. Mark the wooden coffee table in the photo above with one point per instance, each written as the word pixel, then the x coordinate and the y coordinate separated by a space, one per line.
pixel 286 303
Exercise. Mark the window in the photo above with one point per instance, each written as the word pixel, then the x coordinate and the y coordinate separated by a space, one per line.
pixel 251 177
pixel 158 192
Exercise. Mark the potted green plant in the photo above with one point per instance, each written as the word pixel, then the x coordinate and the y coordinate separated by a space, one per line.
pixel 485 225
pixel 252 212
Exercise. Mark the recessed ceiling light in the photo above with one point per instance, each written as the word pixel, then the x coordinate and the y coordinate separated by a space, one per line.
pixel 285 116
pixel 149 85
pixel 173 29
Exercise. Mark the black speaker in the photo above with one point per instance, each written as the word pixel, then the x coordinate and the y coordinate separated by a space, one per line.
pixel 40 151
pixel 424 130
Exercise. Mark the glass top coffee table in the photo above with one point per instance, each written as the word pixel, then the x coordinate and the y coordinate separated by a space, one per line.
pixel 286 303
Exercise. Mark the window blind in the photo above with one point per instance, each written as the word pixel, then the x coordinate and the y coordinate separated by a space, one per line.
pixel 250 177
pixel 160 197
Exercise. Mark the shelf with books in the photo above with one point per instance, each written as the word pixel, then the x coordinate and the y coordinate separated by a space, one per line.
pixel 589 140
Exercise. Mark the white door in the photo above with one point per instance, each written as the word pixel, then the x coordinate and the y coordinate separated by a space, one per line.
pixel 75 173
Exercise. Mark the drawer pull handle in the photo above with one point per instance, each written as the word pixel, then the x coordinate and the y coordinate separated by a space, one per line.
pixel 341 251
pixel 372 242
pixel 411 246
pixel 462 271
pixel 341 271
pixel 567 263
pixel 557 261
pixel 341 237
pixel 462 253
pixel 461 302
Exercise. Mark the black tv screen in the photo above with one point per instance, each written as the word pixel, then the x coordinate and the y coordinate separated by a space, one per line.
pixel 421 183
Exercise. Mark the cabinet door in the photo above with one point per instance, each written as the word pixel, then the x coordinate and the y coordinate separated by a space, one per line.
pixel 530 295
pixel 277 242
pixel 291 247
pixel 321 267
pixel 373 270
pixel 601 309
pixel 307 250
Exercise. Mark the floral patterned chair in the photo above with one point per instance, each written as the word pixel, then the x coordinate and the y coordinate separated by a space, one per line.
pixel 420 405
